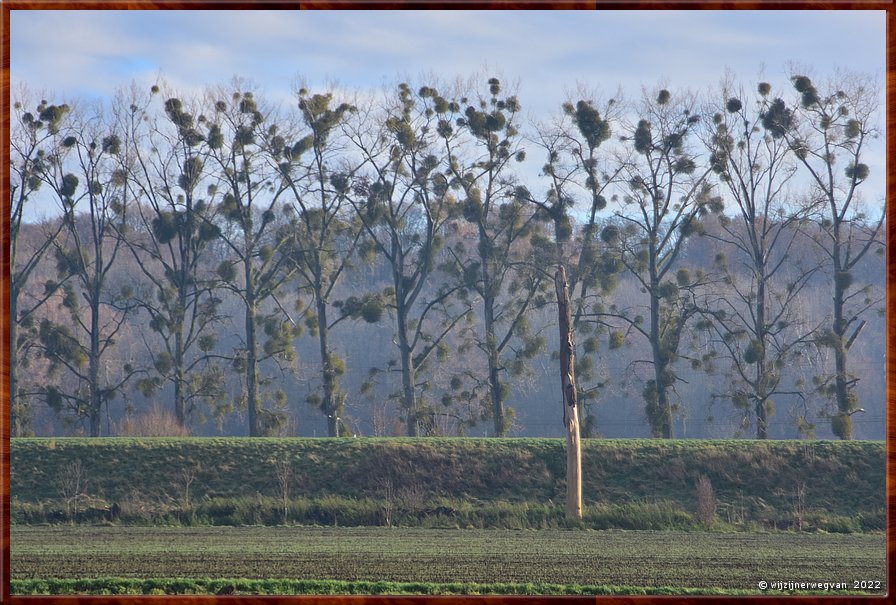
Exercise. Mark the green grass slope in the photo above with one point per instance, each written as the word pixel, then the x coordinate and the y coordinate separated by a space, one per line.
pixel 750 478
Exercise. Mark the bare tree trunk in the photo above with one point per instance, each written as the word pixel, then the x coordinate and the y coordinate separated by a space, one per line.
pixel 409 395
pixel 251 363
pixel 330 385
pixel 17 416
pixel 660 416
pixel 842 424
pixel 408 376
pixel 96 401
pixel 494 381
pixel 570 412
pixel 762 368
pixel 180 407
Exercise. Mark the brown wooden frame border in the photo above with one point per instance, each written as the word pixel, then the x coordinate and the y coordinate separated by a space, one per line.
pixel 890 125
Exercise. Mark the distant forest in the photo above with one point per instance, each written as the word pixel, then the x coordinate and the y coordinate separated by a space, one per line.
pixel 389 263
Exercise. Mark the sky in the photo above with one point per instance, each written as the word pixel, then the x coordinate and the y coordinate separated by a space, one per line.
pixel 90 54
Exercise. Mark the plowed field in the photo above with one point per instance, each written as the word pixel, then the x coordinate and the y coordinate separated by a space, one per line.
pixel 737 561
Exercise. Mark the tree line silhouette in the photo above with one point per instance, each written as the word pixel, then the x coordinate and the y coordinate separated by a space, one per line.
pixel 196 243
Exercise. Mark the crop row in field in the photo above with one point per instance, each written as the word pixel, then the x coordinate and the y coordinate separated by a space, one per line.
pixel 646 559
pixel 242 586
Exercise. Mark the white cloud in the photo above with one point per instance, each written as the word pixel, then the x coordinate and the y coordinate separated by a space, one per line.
pixel 549 52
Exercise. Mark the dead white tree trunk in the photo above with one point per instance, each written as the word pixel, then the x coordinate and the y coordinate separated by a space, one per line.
pixel 568 386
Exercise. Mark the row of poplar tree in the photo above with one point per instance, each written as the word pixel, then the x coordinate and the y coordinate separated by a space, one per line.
pixel 435 186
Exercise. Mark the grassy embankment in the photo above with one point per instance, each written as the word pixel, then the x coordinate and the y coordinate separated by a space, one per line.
pixel 511 483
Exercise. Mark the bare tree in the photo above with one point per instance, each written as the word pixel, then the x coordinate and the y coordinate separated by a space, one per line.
pixel 35 142
pixel 666 194
pixel 72 480
pixel 753 313
pixel 285 474
pixel 799 505
pixel 581 159
pixel 184 480
pixel 828 131
pixel 249 152
pixel 90 187
pixel 387 492
pixel 325 235
pixel 555 208
pixel 404 205
pixel 165 170
pixel 497 270
pixel 706 502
